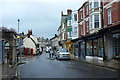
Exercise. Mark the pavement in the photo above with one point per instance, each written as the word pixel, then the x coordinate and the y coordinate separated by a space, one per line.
pixel 5 71
pixel 110 64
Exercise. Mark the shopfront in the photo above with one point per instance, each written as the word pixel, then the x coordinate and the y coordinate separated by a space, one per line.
pixel 94 47
pixel 112 41
pixel 70 47
pixel 76 48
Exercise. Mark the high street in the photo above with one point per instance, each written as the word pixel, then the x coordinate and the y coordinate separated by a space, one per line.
pixel 43 67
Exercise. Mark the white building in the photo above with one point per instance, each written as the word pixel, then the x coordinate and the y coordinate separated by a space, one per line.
pixel 74 24
pixel 30 41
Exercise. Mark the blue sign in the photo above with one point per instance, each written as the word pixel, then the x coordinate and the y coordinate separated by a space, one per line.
pixel 1 51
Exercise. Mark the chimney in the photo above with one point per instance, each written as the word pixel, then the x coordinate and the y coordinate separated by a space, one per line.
pixel 30 32
pixel 69 12
pixel 55 35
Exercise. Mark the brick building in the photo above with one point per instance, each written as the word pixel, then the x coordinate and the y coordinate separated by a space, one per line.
pixel 111 30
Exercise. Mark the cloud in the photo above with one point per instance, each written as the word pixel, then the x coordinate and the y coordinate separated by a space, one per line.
pixel 46 1
pixel 43 16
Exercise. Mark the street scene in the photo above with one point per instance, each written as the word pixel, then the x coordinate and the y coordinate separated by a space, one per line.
pixel 63 39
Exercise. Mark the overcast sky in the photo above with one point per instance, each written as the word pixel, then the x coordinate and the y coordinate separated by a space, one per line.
pixel 42 16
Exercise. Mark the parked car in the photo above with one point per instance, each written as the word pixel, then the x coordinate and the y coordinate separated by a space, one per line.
pixel 63 53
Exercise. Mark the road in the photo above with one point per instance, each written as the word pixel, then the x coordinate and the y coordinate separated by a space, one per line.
pixel 42 67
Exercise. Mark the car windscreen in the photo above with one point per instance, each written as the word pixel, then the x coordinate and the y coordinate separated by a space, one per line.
pixel 63 50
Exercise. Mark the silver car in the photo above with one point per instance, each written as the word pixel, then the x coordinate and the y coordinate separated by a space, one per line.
pixel 63 53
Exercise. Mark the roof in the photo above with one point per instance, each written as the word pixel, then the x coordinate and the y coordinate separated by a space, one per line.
pixel 54 37
pixel 83 5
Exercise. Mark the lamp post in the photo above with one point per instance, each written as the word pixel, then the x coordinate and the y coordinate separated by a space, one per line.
pixel 18 25
pixel 19 41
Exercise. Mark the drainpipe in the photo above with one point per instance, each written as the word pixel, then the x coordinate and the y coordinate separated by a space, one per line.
pixel 104 55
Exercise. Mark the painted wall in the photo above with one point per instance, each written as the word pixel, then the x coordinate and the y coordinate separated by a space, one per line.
pixel 28 43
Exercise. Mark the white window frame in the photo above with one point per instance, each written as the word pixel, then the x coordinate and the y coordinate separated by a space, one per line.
pixel 75 31
pixel 81 14
pixel 81 29
pixel 87 10
pixel 74 17
pixel 109 16
pixel 87 23
pixel 96 5
pixel 90 5
pixel 91 22
pixel 97 21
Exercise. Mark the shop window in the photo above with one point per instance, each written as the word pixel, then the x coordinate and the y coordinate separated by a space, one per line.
pixel 116 44
pixel 89 48
pixel 100 47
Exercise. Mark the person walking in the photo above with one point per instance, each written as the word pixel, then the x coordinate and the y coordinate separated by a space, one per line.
pixel 51 52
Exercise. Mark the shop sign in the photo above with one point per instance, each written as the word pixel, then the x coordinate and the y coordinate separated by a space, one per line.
pixel 93 37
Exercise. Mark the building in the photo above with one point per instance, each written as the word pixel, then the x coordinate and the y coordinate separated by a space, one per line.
pixel 111 30
pixel 75 32
pixel 74 24
pixel 62 30
pixel 69 24
pixel 90 41
pixel 43 43
pixel 54 41
pixel 30 42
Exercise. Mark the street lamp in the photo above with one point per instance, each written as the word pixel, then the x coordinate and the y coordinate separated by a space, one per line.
pixel 18 25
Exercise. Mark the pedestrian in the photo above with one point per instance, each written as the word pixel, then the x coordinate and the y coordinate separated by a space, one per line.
pixel 51 52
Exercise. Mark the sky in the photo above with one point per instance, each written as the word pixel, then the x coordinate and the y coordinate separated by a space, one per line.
pixel 42 16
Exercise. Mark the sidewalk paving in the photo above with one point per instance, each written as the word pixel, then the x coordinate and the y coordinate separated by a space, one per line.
pixel 5 71
pixel 110 64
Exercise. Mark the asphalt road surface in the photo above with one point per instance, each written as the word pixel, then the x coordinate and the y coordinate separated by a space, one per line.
pixel 43 67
